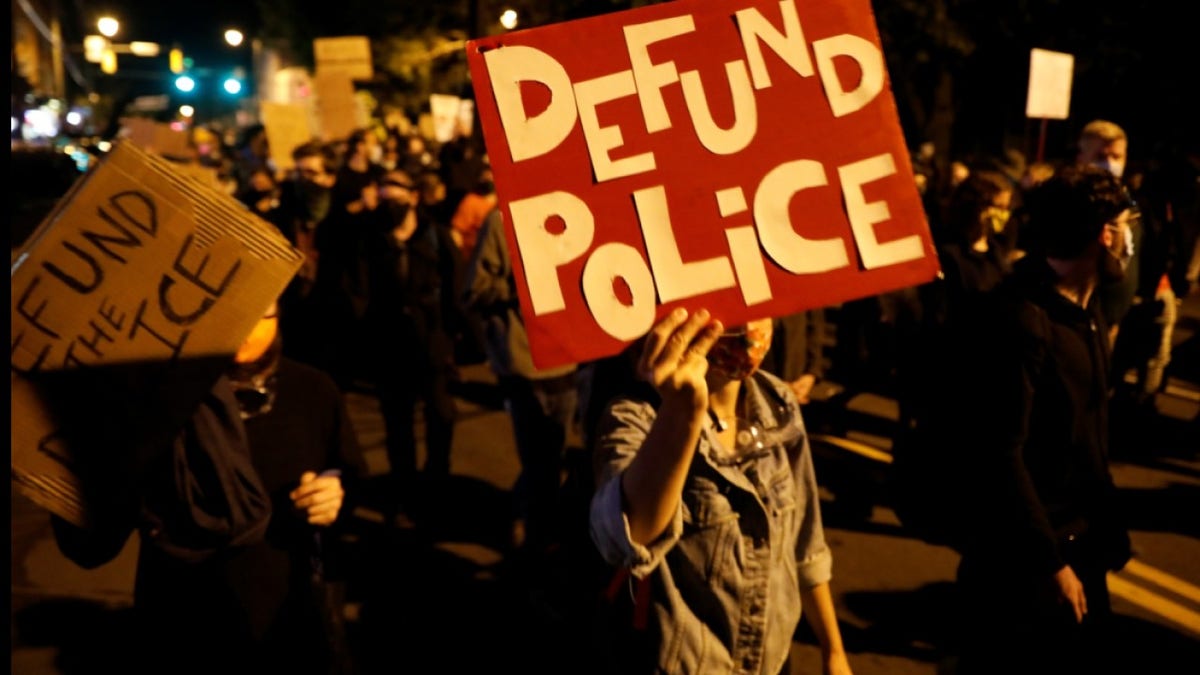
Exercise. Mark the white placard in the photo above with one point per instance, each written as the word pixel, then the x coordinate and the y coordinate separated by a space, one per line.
pixel 1050 76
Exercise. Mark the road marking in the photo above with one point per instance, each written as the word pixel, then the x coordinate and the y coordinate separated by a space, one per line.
pixel 1168 609
pixel 1160 578
pixel 854 446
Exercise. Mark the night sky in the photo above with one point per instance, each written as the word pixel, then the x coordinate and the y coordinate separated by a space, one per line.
pixel 198 27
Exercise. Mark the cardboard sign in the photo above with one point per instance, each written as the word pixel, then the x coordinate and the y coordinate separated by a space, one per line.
pixel 288 128
pixel 1050 75
pixel 349 56
pixel 444 109
pixel 127 303
pixel 157 137
pixel 336 105
pixel 744 156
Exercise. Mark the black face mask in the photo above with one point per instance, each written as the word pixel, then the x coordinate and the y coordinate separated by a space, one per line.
pixel 254 384
pixel 316 200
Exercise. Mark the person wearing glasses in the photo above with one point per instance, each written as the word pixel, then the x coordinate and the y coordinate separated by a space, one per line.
pixel 706 505
pixel 237 522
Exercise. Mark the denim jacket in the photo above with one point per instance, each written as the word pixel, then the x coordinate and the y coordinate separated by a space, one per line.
pixel 746 536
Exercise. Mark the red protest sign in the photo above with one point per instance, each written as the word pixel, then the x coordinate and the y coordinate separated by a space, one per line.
pixel 740 155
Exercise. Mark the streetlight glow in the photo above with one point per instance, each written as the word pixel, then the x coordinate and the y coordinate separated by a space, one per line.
pixel 234 37
pixel 233 85
pixel 508 19
pixel 144 48
pixel 185 83
pixel 108 26
pixel 186 111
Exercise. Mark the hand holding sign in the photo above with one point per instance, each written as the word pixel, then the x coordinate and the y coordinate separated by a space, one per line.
pixel 743 155
pixel 673 358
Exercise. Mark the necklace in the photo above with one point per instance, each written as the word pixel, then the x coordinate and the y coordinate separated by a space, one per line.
pixel 720 424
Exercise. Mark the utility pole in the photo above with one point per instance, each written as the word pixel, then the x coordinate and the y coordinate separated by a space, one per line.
pixel 56 47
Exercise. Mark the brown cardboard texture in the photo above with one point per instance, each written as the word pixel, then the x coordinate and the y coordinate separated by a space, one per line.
pixel 138 288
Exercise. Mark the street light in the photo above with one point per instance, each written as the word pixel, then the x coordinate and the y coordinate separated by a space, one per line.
pixel 233 86
pixel 185 83
pixel 234 37
pixel 108 26
pixel 186 111
pixel 508 19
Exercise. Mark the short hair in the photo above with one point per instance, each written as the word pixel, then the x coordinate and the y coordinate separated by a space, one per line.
pixel 1101 131
pixel 1067 212
pixel 310 149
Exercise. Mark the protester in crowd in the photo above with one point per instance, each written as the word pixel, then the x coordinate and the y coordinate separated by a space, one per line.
pixel 471 211
pixel 1045 527
pixel 541 402
pixel 974 261
pixel 341 239
pixel 1141 305
pixel 434 209
pixel 354 189
pixel 253 154
pixel 236 525
pixel 261 195
pixel 707 505
pixel 411 267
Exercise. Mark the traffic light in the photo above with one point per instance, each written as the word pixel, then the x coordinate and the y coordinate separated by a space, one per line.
pixel 176 60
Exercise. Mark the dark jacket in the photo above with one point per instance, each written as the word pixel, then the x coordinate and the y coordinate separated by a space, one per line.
pixel 1035 415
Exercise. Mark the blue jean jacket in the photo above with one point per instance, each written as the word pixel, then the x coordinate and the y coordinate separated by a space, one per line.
pixel 746 536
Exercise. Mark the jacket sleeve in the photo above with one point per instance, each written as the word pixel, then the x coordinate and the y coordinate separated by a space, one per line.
pixel 1013 516
pixel 488 286
pixel 621 431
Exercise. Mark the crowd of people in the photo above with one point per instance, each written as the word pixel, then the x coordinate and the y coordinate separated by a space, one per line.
pixel 703 499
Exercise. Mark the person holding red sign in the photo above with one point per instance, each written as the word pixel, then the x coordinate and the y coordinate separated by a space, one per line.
pixel 707 504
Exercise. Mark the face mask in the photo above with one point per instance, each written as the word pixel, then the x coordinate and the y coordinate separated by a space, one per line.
pixel 376 154
pixel 316 200
pixel 737 355
pixel 1114 166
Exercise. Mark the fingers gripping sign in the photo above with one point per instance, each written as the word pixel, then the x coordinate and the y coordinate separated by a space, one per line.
pixel 673 357
pixel 319 497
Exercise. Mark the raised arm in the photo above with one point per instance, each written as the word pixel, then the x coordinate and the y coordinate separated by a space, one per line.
pixel 673 360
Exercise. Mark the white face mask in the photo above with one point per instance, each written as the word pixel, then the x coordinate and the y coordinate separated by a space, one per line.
pixel 1115 167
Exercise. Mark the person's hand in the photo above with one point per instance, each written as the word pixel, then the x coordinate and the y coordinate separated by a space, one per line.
pixel 319 497
pixel 802 387
pixel 1070 591
pixel 673 358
